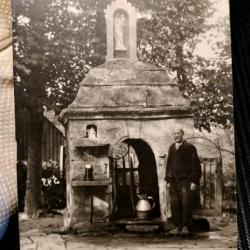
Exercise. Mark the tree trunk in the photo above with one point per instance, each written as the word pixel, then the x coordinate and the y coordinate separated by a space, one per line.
pixel 33 186
pixel 100 44
pixel 181 76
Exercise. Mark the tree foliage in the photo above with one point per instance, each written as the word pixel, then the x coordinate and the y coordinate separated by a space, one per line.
pixel 168 38
pixel 58 41
pixel 210 89
pixel 54 50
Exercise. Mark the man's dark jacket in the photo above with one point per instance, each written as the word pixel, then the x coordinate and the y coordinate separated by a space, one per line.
pixel 183 163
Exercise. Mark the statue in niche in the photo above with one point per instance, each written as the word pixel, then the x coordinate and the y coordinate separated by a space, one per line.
pixel 91 132
pixel 120 31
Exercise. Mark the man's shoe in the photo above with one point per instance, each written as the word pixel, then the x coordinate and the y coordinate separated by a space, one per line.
pixel 184 231
pixel 175 231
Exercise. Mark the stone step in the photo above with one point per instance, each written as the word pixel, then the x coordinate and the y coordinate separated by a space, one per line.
pixel 142 228
pixel 135 221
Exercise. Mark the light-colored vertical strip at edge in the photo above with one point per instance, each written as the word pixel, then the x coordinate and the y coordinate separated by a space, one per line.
pixel 8 175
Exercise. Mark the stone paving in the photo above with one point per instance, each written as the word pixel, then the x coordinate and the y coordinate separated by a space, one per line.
pixel 221 238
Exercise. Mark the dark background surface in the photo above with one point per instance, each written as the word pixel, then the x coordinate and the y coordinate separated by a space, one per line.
pixel 240 33
pixel 10 240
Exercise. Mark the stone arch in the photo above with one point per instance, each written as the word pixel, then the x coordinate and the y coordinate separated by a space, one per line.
pixel 147 171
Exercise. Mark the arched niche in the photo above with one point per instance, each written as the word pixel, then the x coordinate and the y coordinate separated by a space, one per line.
pixel 121 34
pixel 121 16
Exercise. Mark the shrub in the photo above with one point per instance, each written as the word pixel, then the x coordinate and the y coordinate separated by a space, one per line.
pixel 53 186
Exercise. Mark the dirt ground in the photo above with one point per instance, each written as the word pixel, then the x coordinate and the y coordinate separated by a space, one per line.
pixel 44 234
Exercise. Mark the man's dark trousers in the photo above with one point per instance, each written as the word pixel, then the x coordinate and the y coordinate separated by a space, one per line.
pixel 180 203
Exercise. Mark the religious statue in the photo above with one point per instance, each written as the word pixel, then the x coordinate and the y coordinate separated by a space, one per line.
pixel 91 131
pixel 119 31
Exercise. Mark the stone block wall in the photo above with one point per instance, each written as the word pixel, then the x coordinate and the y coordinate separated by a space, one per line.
pixel 157 133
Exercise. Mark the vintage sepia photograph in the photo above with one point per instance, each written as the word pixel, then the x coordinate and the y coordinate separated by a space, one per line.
pixel 123 122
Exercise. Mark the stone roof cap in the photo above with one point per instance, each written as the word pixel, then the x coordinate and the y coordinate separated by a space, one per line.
pixel 123 87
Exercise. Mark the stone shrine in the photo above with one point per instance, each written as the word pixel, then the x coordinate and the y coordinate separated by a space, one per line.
pixel 120 126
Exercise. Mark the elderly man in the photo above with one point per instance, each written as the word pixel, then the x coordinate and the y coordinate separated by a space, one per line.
pixel 183 172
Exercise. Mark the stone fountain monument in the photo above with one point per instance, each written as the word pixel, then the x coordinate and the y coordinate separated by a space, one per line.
pixel 131 108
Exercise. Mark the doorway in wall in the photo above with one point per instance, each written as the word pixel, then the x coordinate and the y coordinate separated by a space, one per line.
pixel 134 173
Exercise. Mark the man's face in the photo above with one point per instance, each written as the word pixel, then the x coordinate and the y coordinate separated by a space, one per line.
pixel 178 136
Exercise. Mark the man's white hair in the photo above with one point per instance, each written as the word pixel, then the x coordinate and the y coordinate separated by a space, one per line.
pixel 178 129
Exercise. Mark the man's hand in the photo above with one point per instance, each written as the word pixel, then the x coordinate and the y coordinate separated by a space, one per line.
pixel 168 185
pixel 193 186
